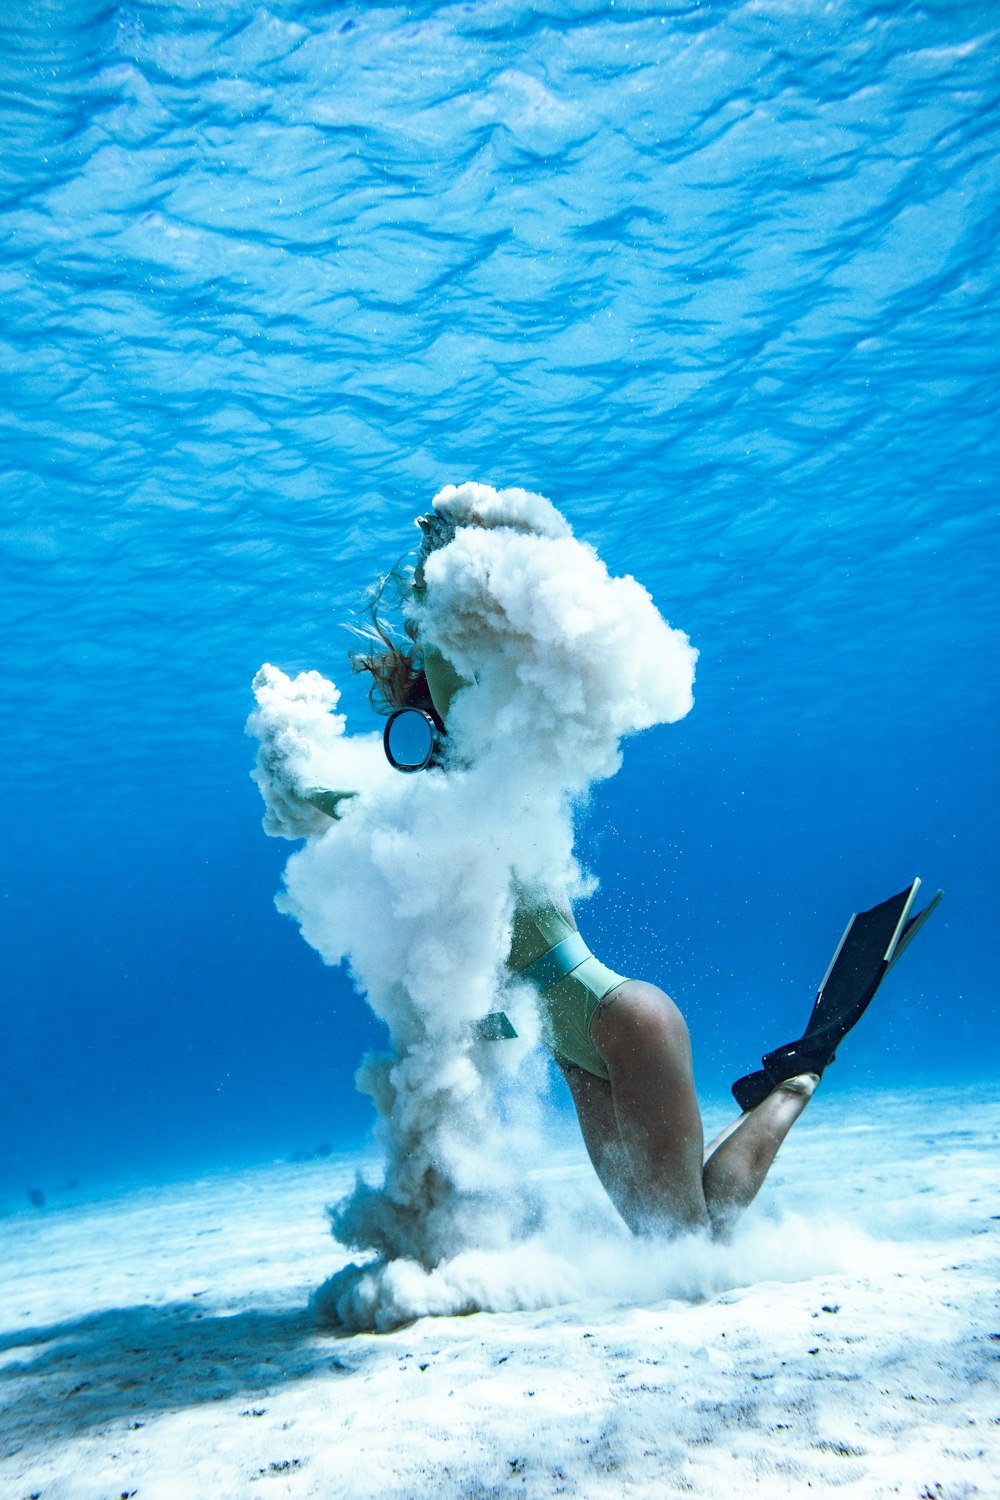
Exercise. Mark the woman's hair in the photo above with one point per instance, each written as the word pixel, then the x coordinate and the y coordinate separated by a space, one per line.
pixel 395 665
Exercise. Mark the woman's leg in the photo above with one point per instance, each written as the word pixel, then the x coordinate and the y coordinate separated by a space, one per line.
pixel 643 1040
pixel 653 1125
pixel 595 1110
pixel 742 1156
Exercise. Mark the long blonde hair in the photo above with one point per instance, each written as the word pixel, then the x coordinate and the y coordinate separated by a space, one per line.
pixel 395 664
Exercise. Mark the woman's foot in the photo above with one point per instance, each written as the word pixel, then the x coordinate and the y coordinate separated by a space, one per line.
pixel 803 1085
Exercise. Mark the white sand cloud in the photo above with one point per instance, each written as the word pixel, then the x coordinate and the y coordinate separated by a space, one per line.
pixel 413 886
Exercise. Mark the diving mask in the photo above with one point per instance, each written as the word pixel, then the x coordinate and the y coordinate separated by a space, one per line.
pixel 412 739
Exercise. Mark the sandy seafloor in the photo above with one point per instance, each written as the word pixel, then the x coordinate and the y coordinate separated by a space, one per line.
pixel 158 1344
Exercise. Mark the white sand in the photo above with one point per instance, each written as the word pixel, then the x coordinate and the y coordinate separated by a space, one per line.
pixel 158 1345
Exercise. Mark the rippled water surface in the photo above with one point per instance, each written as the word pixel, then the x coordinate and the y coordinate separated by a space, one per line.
pixel 720 279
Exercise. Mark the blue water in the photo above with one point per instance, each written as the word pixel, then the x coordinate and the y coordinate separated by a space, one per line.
pixel 720 279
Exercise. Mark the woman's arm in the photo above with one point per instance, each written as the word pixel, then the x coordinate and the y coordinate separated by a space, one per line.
pixel 308 768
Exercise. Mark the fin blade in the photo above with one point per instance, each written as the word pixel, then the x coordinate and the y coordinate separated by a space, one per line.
pixel 913 926
pixel 859 965
pixel 496 1027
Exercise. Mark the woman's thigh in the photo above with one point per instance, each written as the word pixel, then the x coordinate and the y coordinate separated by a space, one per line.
pixel 595 1110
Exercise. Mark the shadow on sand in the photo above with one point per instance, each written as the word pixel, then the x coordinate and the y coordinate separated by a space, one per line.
pixel 127 1365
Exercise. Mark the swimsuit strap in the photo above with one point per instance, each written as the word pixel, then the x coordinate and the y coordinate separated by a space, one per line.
pixel 558 961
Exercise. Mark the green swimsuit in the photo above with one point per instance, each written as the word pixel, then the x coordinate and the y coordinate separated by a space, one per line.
pixel 550 954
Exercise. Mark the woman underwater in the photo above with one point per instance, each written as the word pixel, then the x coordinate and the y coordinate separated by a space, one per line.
pixel 535 663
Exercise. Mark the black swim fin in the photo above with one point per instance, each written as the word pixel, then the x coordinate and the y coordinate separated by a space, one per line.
pixel 871 944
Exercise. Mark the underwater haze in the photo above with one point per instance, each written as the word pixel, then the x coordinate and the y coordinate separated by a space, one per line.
pixel 719 279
